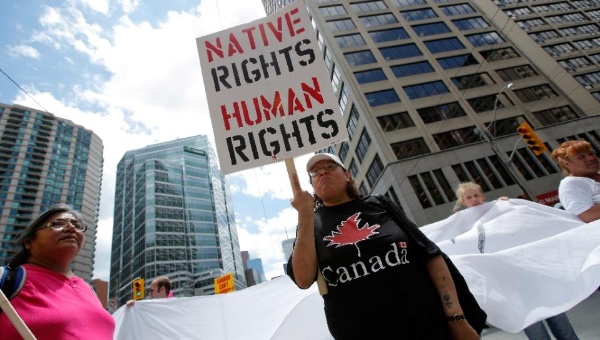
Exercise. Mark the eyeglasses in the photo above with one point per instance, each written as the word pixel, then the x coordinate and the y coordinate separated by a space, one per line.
pixel 64 224
pixel 329 167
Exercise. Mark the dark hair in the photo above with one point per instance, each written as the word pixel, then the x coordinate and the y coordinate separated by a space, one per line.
pixel 163 281
pixel 351 190
pixel 20 253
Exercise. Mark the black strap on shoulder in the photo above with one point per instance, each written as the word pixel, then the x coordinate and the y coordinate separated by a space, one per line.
pixel 11 280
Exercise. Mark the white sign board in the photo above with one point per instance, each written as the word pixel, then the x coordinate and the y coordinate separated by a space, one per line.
pixel 268 90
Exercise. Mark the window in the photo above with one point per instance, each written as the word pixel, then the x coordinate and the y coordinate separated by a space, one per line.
pixel 420 192
pixel 389 35
pixel 382 97
pixel 472 81
pixel 341 25
pixel 457 9
pixel 400 51
pixel 412 69
pixel 457 61
pixel 518 72
pixel 555 115
pixel 352 121
pixel 395 121
pixel 344 151
pixel 458 137
pixel 374 171
pixel 370 76
pixel 406 3
pixel 441 112
pixel 485 103
pixel 483 39
pixel 363 145
pixel 360 58
pixel 410 148
pixel 368 6
pixel 499 54
pixel 535 93
pixel 444 45
pixel 343 100
pixel 378 20
pixel 470 24
pixel 419 14
pixel 426 89
pixel 351 40
pixel 431 29
pixel 332 10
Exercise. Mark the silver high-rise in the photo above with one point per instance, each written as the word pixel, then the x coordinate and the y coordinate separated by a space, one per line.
pixel 432 93
pixel 173 216
pixel 45 160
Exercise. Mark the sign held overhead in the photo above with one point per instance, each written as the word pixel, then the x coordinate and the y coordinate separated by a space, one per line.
pixel 269 94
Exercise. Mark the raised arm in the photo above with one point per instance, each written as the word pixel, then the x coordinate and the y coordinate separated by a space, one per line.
pixel 304 256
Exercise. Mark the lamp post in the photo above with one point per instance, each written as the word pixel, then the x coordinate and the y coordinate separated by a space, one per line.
pixel 490 139
pixel 493 121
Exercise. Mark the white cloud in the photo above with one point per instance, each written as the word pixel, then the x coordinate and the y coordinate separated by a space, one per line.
pixel 23 51
pixel 152 91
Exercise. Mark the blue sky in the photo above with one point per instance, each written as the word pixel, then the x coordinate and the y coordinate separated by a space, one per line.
pixel 129 70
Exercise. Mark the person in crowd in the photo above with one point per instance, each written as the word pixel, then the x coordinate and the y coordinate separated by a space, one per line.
pixel 54 303
pixel 579 190
pixel 160 288
pixel 470 194
pixel 379 280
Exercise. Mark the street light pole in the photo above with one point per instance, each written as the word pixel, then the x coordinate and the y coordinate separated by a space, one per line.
pixel 506 163
pixel 493 121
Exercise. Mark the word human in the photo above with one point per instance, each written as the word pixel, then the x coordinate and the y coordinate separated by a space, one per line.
pixel 266 142
pixel 265 110
pixel 254 69
pixel 341 275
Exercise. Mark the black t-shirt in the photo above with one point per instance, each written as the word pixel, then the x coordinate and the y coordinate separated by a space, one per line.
pixel 377 281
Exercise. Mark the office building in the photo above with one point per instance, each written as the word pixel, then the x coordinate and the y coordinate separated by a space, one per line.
pixel 45 160
pixel 253 268
pixel 432 93
pixel 173 216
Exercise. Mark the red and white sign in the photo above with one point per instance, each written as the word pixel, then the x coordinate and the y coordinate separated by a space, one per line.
pixel 268 91
pixel 550 198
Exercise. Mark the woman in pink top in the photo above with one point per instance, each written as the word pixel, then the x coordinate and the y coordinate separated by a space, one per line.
pixel 54 303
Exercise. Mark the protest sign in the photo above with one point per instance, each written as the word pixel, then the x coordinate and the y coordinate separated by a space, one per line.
pixel 269 94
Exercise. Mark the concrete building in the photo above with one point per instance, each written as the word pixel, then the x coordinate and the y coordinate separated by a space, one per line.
pixel 45 160
pixel 432 93
pixel 173 216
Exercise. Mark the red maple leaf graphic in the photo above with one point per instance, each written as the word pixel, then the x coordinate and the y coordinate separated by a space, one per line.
pixel 349 233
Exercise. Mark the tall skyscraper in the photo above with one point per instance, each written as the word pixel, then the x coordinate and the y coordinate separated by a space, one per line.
pixel 173 216
pixel 432 93
pixel 45 160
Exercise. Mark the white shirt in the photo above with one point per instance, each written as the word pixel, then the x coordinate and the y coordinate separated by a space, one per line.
pixel 578 194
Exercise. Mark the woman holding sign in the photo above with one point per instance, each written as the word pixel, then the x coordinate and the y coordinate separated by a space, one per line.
pixel 383 277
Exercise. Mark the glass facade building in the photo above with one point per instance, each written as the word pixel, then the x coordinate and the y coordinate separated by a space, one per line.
pixel 173 216
pixel 432 93
pixel 45 160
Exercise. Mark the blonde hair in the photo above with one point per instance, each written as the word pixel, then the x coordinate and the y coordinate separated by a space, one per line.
pixel 569 148
pixel 460 191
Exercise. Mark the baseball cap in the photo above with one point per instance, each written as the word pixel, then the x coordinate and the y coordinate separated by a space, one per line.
pixel 323 156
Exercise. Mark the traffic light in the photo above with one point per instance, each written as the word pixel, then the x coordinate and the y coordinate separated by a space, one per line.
pixel 138 289
pixel 533 141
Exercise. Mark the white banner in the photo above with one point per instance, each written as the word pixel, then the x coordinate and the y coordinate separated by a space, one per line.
pixel 269 92
pixel 537 261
